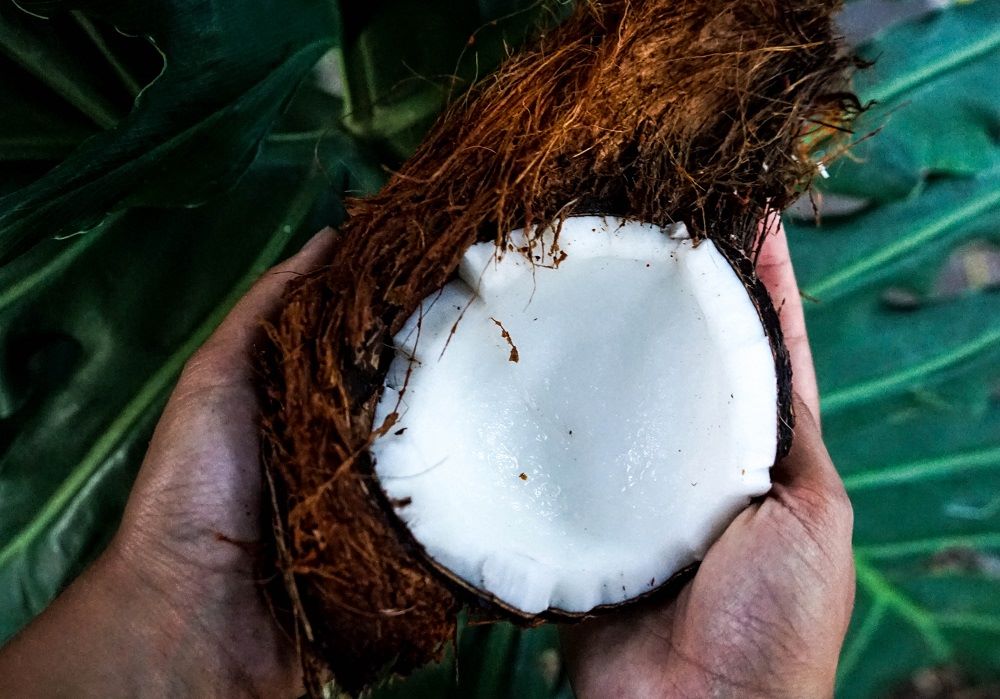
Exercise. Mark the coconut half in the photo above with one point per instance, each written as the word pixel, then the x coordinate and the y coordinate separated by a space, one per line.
pixel 429 444
pixel 578 418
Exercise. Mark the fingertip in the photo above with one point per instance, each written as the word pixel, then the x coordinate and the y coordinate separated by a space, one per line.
pixel 317 246
pixel 265 295
pixel 775 269
pixel 242 326
pixel 770 225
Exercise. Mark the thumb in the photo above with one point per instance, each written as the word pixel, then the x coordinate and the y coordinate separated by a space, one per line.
pixel 808 476
pixel 263 299
pixel 225 356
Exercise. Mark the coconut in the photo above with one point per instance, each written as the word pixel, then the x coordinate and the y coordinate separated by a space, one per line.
pixel 557 462
pixel 539 376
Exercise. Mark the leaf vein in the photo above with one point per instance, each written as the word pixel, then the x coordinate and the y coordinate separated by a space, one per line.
pixel 837 282
pixel 864 391
pixel 923 469
pixel 882 591
pixel 861 640
pixel 892 89
pixel 930 545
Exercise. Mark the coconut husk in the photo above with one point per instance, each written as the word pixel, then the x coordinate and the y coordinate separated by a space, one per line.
pixel 659 110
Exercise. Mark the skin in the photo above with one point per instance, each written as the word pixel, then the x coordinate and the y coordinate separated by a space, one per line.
pixel 172 607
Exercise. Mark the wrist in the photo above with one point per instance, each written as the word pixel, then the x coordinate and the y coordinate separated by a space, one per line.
pixel 209 624
pixel 112 634
pixel 94 640
pixel 193 626
pixel 140 634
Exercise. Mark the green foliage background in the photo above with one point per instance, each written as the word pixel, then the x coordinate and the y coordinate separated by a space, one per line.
pixel 147 180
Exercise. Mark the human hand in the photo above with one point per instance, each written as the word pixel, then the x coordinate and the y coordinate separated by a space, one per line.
pixel 766 613
pixel 174 606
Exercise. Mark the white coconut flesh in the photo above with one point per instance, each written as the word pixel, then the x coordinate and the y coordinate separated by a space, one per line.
pixel 639 417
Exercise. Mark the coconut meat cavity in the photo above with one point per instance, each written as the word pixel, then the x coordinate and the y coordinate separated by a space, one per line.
pixel 582 416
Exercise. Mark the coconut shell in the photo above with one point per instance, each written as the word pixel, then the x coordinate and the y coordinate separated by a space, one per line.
pixel 701 111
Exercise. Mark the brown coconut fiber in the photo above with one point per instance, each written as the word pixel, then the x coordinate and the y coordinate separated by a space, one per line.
pixel 701 111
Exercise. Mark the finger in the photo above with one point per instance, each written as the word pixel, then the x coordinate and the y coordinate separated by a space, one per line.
pixel 807 485
pixel 224 356
pixel 264 298
pixel 775 269
pixel 807 469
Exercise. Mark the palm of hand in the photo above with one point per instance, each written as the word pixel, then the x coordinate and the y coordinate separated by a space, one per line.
pixel 190 536
pixel 764 616
pixel 767 611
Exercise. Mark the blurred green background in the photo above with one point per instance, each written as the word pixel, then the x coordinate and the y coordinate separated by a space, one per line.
pixel 149 175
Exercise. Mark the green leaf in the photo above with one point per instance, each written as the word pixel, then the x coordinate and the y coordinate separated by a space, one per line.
pixel 230 70
pixel 497 660
pixel 935 82
pixel 404 60
pixel 911 405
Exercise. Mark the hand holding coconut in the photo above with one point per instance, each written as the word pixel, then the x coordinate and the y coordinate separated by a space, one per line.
pixel 540 374
pixel 766 614
pixel 175 604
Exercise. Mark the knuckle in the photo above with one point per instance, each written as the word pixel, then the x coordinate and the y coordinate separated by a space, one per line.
pixel 836 506
pixel 835 516
pixel 831 507
pixel 826 515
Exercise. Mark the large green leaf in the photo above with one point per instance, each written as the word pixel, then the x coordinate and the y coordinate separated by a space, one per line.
pixel 229 71
pixel 910 390
pixel 935 83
